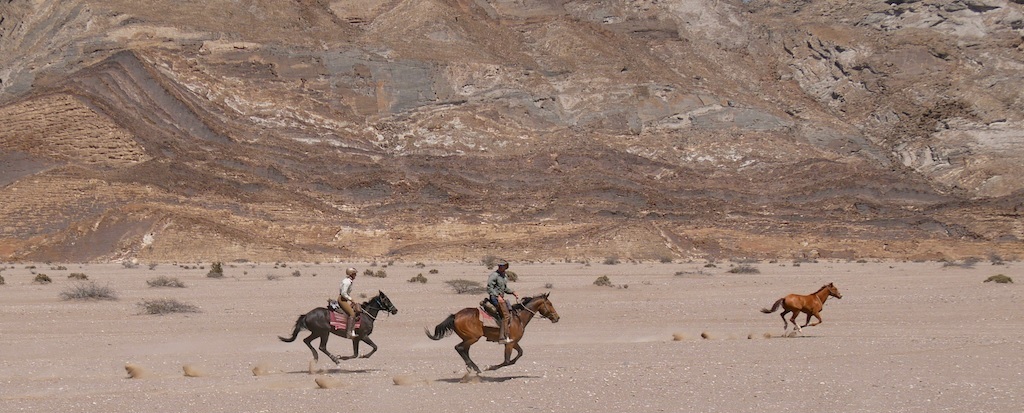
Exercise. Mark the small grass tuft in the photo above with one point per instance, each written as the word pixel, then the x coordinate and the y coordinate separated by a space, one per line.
pixel 603 281
pixel 612 260
pixel 165 281
pixel 42 279
pixel 419 278
pixel 78 276
pixel 1000 279
pixel 88 291
pixel 161 306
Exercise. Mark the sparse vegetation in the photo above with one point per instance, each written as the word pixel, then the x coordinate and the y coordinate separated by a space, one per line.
pixel 745 269
pixel 967 263
pixel 511 276
pixel 419 278
pixel 466 287
pixel 433 271
pixel 78 276
pixel 419 265
pixel 612 260
pixel 165 281
pixel 2 281
pixel 549 286
pixel 273 277
pixel 665 260
pixel 59 268
pixel 489 261
pixel 296 273
pixel 160 306
pixel 1000 279
pixel 42 279
pixel 996 259
pixel 216 270
pixel 603 281
pixel 88 291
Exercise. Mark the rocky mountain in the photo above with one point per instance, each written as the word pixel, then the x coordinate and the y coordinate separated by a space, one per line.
pixel 528 129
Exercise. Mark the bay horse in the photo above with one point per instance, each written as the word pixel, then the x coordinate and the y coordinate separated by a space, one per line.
pixel 466 324
pixel 318 322
pixel 810 304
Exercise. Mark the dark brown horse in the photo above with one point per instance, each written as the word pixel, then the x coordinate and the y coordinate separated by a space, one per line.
pixel 318 322
pixel 810 304
pixel 466 324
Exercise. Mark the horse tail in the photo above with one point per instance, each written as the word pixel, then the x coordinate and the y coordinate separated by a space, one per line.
pixel 774 306
pixel 300 324
pixel 445 329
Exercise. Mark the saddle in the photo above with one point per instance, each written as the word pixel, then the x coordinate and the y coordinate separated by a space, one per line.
pixel 339 321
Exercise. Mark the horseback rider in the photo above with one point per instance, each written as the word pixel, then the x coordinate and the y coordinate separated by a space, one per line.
pixel 348 305
pixel 497 287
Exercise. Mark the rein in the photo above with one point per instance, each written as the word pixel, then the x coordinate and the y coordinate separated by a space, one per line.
pixel 379 306
pixel 533 312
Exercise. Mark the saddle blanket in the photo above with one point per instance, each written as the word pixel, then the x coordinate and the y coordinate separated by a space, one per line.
pixel 339 321
pixel 486 319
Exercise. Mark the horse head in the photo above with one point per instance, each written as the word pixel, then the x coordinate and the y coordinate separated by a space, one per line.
pixel 833 291
pixel 542 304
pixel 385 303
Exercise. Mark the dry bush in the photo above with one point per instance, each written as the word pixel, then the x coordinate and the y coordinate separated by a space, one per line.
pixel 88 291
pixel 2 281
pixel 419 278
pixel 433 271
pixel 489 261
pixel 165 281
pixel 745 269
pixel 296 273
pixel 42 279
pixel 1000 279
pixel 603 281
pixel 216 270
pixel 612 260
pixel 466 287
pixel 78 276
pixel 512 276
pixel 160 306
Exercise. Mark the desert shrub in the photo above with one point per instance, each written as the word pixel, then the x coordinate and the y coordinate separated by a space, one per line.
pixel 511 276
pixel 380 274
pixel 160 306
pixel 42 279
pixel 665 260
pixel 433 271
pixel 368 272
pixel 88 291
pixel 419 265
pixel 152 266
pixel 996 259
pixel 296 273
pixel 549 286
pixel 2 281
pixel 165 281
pixel 745 269
pixel 129 264
pixel 78 276
pixel 489 261
pixel 999 278
pixel 466 287
pixel 419 278
pixel 710 265
pixel 612 260
pixel 216 270
pixel 59 268
pixel 967 263
pixel 603 281
pixel 273 277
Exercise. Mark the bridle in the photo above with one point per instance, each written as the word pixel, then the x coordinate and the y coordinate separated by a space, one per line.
pixel 535 313
pixel 378 304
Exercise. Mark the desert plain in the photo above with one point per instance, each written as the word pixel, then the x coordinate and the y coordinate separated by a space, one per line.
pixel 669 337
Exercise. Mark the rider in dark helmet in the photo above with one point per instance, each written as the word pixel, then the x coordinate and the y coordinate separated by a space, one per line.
pixel 497 287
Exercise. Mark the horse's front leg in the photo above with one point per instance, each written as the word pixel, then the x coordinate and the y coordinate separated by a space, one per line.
pixel 355 350
pixel 816 315
pixel 508 356
pixel 519 352
pixel 808 320
pixel 369 343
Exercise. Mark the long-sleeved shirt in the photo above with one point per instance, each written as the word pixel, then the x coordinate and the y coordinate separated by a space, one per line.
pixel 497 285
pixel 346 289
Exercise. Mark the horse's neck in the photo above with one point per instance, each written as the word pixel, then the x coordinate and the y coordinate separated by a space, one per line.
pixel 822 295
pixel 526 315
pixel 371 309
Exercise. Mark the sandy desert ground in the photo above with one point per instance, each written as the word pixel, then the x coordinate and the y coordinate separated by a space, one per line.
pixel 906 337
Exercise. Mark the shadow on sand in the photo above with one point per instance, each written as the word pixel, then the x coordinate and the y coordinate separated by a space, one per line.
pixel 483 379
pixel 333 371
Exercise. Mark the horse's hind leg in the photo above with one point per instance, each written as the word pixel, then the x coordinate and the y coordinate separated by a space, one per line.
pixel 323 347
pixel 463 350
pixel 785 326
pixel 309 343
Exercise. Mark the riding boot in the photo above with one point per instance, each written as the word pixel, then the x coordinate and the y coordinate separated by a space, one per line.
pixel 350 327
pixel 506 322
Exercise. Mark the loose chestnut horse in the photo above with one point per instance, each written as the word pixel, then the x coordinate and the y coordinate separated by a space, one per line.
pixel 466 323
pixel 810 304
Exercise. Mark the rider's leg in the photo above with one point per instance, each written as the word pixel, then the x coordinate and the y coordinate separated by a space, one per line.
pixel 351 319
pixel 505 320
